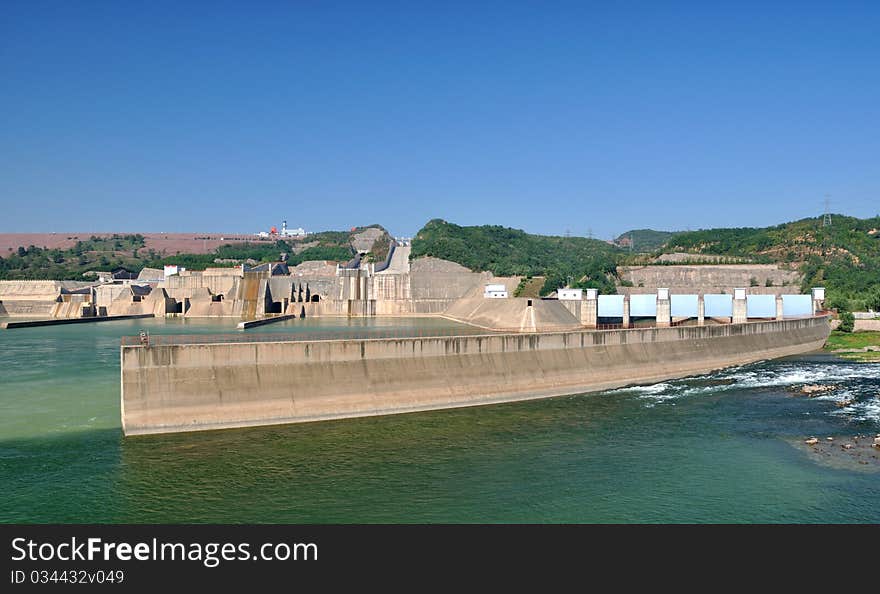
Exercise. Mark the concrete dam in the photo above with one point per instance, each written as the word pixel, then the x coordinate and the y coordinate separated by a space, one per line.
pixel 168 387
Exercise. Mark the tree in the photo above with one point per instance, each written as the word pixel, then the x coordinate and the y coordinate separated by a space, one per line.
pixel 847 322
pixel 872 302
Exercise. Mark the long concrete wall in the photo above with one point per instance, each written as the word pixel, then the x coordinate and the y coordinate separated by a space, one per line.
pixel 192 387
pixel 709 278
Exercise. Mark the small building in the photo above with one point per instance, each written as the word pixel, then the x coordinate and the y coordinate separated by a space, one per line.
pixel 172 269
pixel 298 232
pixel 495 292
pixel 568 294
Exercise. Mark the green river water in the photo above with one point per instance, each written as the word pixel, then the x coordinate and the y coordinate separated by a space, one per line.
pixel 723 447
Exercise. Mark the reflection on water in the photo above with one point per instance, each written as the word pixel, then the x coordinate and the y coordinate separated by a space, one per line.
pixel 708 448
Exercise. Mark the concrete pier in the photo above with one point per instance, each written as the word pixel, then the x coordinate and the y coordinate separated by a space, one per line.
pixel 740 312
pixel 65 321
pixel 265 321
pixel 590 308
pixel 664 309
pixel 818 299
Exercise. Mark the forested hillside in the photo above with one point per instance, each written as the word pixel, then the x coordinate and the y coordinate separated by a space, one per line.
pixel 844 257
pixel 507 252
pixel 643 240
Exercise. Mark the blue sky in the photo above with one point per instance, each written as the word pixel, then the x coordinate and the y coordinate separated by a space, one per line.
pixel 547 116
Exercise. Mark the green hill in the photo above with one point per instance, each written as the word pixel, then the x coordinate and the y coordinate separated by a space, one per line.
pixel 643 240
pixel 508 252
pixel 844 257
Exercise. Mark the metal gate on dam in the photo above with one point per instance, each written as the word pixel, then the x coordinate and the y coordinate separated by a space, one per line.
pixel 664 309
pixel 716 306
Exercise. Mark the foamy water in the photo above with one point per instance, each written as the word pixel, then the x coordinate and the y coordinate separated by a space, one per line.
pixel 857 383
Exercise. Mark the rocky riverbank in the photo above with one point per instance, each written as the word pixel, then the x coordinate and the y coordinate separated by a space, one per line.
pixel 855 450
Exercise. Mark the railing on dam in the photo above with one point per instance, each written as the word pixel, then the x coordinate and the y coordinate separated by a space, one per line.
pixel 359 334
pixel 175 339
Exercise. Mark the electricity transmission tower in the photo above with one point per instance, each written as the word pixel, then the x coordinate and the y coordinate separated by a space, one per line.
pixel 826 218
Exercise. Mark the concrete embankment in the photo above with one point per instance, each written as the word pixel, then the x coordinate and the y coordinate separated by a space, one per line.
pixel 513 315
pixel 189 387
pixel 33 298
pixel 65 321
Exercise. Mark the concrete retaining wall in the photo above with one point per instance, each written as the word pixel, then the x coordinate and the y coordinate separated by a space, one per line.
pixel 513 314
pixel 212 386
pixel 709 278
pixel 106 294
pixel 179 286
pixel 28 309
pixel 32 298
pixel 412 307
pixel 872 325
pixel 860 325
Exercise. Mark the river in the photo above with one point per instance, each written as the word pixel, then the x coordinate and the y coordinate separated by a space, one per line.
pixel 722 447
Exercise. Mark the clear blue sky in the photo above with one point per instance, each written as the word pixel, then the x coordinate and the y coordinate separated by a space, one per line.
pixel 547 116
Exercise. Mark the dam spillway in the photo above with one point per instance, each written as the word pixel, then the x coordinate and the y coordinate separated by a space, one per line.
pixel 189 386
